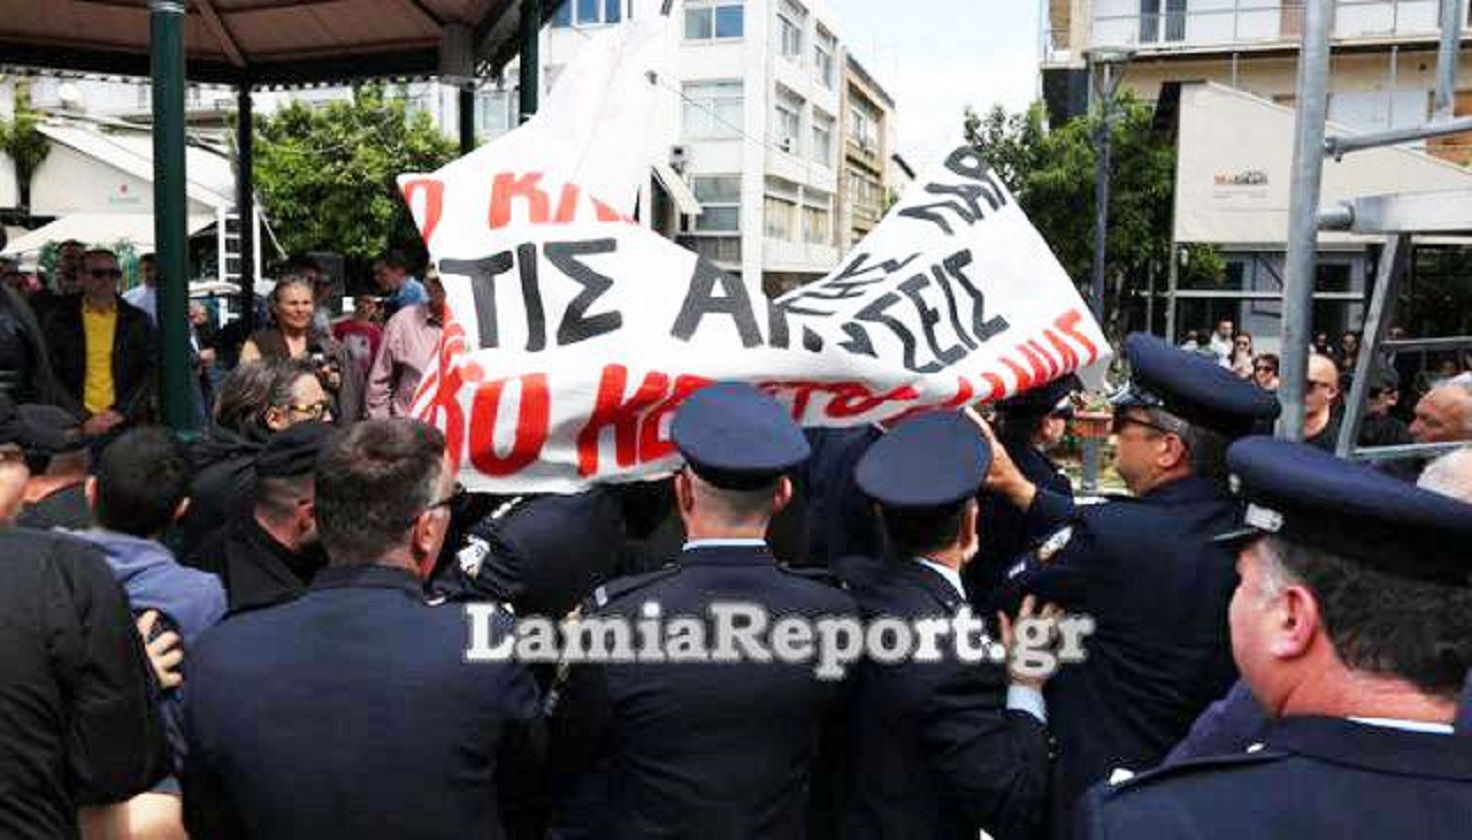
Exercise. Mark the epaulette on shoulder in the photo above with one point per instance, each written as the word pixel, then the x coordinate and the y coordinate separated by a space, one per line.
pixel 620 587
pixel 818 574
pixel 1255 754
pixel 447 597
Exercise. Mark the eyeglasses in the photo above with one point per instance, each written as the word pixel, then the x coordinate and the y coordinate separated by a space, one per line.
pixel 1264 368
pixel 316 410
pixel 457 494
pixel 104 273
pixel 1121 421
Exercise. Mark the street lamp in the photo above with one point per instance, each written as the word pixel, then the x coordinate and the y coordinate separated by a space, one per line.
pixel 1106 69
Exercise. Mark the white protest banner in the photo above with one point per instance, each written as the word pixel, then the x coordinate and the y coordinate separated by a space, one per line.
pixel 571 334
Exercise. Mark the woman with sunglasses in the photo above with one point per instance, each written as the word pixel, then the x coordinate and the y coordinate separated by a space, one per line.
pixel 293 308
pixel 1241 360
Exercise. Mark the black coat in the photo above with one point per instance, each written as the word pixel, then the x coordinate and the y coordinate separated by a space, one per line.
pixel 255 569
pixel 695 749
pixel 932 751
pixel 1313 777
pixel 221 491
pixel 134 362
pixel 351 712
pixel 78 721
pixel 1158 590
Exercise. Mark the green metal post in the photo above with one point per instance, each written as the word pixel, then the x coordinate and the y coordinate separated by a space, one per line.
pixel 166 49
pixel 531 58
pixel 467 118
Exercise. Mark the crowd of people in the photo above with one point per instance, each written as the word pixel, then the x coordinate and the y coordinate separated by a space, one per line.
pixel 265 632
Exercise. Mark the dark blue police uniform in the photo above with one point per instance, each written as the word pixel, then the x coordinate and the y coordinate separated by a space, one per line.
pixel 702 749
pixel 1009 531
pixel 351 712
pixel 933 751
pixel 1146 571
pixel 1310 775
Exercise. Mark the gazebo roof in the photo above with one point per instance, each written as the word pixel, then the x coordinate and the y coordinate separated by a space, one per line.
pixel 270 41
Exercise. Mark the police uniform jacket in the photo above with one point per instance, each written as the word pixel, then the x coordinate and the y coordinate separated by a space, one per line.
pixel 351 712
pixel 933 752
pixel 78 722
pixel 689 749
pixel 1007 531
pixel 1313 777
pixel 1160 653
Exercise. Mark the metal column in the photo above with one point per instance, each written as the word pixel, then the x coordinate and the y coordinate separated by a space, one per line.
pixel 1445 103
pixel 531 56
pixel 1393 259
pixel 466 113
pixel 166 50
pixel 1303 211
pixel 245 203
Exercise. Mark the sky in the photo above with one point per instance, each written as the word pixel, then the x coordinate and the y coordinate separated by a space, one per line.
pixel 937 56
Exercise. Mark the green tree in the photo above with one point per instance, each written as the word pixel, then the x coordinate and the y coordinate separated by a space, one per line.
pixel 327 175
pixel 1052 173
pixel 23 142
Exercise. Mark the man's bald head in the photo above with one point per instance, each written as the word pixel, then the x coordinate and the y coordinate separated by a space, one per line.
pixel 1322 387
pixel 1445 414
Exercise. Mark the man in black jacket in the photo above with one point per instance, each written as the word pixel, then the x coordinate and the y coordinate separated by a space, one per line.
pixel 102 350
pixel 78 723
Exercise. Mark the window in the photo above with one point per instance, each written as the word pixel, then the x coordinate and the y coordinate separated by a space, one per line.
pixel 1170 13
pixel 713 110
pixel 822 138
pixel 824 47
pixel 863 125
pixel 787 121
pixel 495 111
pixel 714 20
pixel 720 202
pixel 781 216
pixel 817 217
pixel 588 13
pixel 790 21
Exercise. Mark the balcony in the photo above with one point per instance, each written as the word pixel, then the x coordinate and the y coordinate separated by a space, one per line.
pixel 1166 26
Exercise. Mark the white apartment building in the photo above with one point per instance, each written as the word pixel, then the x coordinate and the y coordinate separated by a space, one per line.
pixel 751 121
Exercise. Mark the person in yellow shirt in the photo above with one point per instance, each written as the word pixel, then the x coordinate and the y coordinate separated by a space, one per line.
pixel 102 350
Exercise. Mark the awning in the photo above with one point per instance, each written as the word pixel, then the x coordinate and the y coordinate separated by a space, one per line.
pixel 99 229
pixel 684 198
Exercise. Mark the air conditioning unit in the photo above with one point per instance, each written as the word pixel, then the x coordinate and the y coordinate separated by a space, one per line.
pixel 679 157
pixel 785 144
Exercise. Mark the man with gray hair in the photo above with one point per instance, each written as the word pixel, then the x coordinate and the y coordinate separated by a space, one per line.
pixel 378 726
pixel 1444 415
pixel 1352 626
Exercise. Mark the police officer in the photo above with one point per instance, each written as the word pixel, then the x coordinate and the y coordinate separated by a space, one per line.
pixel 271 555
pixel 1145 570
pixel 1351 627
pixel 689 749
pixel 935 749
pixel 351 712
pixel 1039 498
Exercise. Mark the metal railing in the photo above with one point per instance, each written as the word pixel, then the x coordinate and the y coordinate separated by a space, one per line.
pixel 1251 23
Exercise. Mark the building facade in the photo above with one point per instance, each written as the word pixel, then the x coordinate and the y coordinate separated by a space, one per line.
pixel 1382 76
pixel 866 187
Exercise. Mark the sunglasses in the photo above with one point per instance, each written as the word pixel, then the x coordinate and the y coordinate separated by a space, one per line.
pixel 314 410
pixel 104 273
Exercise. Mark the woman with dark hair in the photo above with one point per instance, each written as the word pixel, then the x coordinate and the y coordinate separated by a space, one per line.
pixel 1242 356
pixel 1027 425
pixel 257 400
pixel 293 307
